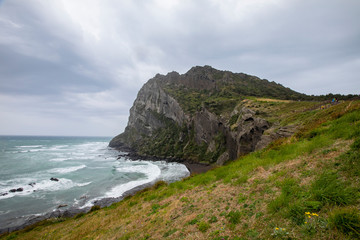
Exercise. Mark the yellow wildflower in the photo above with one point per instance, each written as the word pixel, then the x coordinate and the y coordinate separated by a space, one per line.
pixel 276 228
pixel 307 213
pixel 283 229
pixel 305 222
pixel 309 216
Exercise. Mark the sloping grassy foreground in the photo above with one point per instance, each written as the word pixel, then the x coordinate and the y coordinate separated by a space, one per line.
pixel 304 187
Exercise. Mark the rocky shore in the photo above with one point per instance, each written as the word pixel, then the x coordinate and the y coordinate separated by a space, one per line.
pixel 64 211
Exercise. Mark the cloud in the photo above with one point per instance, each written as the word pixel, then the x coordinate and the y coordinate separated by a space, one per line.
pixel 79 63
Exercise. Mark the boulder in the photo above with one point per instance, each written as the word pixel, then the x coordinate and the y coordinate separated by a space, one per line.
pixel 54 179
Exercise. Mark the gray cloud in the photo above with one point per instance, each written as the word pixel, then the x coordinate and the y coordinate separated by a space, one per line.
pixel 74 67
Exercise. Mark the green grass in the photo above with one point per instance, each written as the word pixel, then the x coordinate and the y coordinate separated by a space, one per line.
pixel 329 189
pixel 203 226
pixel 234 217
pixel 346 220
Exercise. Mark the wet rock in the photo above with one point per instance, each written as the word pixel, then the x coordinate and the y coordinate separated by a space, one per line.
pixel 3 194
pixel 32 184
pixel 12 190
pixel 54 179
pixel 19 189
pixel 62 205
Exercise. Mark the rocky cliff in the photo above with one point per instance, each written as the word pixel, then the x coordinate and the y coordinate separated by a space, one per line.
pixel 199 116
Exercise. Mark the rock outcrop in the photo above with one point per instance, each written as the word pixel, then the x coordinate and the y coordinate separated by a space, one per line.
pixel 196 116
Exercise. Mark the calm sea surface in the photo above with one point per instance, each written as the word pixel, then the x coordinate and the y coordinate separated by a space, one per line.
pixel 86 170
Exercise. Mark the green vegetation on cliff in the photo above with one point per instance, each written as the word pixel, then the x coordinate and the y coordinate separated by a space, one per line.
pixel 227 91
pixel 212 116
pixel 301 187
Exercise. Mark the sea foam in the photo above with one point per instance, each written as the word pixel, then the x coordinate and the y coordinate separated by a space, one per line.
pixel 66 169
pixel 151 171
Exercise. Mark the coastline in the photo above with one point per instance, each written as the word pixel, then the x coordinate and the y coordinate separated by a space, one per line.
pixel 28 221
pixel 193 167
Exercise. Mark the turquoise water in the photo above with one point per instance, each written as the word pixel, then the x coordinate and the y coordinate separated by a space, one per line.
pixel 86 169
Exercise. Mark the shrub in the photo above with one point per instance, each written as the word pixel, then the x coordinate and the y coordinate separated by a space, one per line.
pixel 346 220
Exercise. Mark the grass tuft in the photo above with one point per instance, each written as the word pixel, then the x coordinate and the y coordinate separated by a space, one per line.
pixel 329 189
pixel 234 217
pixel 203 226
pixel 346 220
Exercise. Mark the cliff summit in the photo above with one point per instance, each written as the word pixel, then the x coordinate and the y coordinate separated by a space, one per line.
pixel 200 116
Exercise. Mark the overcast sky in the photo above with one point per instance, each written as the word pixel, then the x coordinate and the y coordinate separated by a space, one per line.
pixel 74 67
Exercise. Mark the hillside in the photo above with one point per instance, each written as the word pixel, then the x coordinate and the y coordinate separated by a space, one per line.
pixel 205 115
pixel 305 186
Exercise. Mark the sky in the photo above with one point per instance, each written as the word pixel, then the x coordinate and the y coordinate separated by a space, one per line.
pixel 74 67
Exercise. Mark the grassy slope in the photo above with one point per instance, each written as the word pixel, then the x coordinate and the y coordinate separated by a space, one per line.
pixel 263 195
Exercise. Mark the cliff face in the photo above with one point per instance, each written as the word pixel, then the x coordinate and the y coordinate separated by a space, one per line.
pixel 196 116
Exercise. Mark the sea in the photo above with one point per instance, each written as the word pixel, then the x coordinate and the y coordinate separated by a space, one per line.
pixel 39 174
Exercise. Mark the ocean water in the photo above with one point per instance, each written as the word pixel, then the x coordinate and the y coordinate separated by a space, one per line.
pixel 86 169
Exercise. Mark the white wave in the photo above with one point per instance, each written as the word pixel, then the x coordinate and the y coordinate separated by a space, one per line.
pixel 151 171
pixel 60 159
pixel 83 184
pixel 44 185
pixel 31 150
pixel 66 169
pixel 6 185
pixel 171 172
pixel 36 150
pixel 82 158
pixel 4 212
pixel 58 148
pixel 30 146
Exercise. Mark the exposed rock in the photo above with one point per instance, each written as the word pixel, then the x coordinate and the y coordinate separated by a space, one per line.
pixel 207 125
pixel 3 194
pixel 16 190
pixel 54 179
pixel 223 158
pixel 282 132
pixel 32 184
pixel 159 126
pixel 62 206
pixel 211 147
